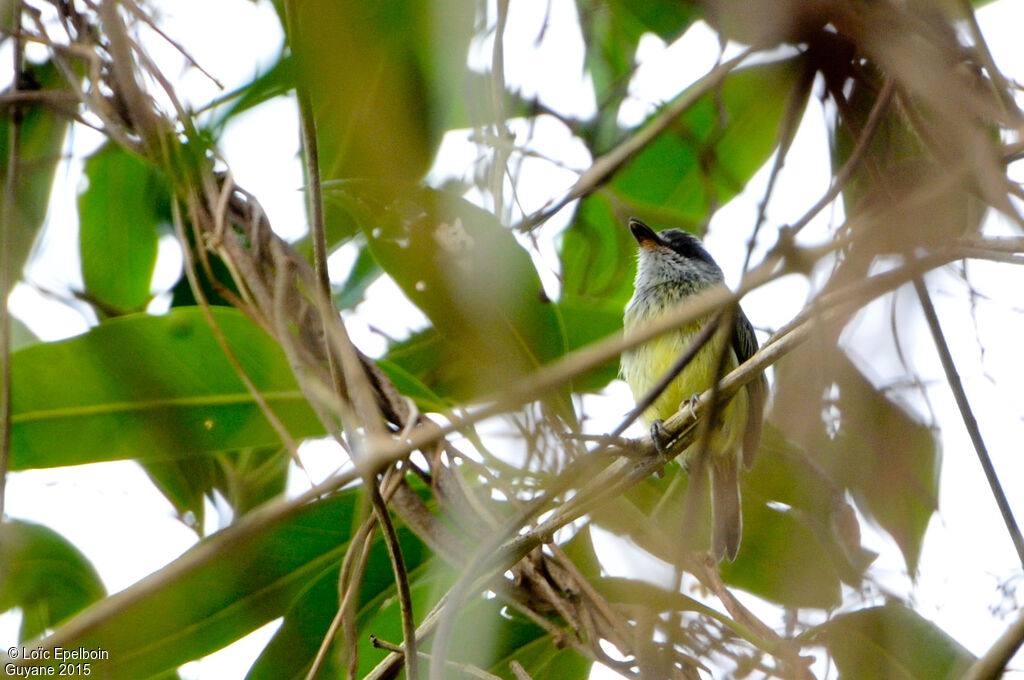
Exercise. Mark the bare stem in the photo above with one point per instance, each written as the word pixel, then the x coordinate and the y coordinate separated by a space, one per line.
pixel 970 422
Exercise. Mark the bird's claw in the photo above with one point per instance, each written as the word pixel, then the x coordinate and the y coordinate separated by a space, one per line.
pixel 690 404
pixel 660 437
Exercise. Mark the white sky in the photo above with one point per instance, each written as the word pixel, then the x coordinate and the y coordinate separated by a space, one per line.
pixel 115 516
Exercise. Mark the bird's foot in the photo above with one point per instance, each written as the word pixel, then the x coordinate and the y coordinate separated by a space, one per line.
pixel 661 438
pixel 690 404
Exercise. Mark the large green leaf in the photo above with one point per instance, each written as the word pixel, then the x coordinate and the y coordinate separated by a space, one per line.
pixel 222 589
pixel 468 274
pixel 891 642
pixel 150 388
pixel 291 651
pixel 800 537
pixel 611 31
pixel 41 129
pixel 898 196
pixel 798 541
pixel 865 442
pixel 381 77
pixel 708 154
pixel 120 212
pixel 489 635
pixel 45 576
pixel 364 272
pixel 245 479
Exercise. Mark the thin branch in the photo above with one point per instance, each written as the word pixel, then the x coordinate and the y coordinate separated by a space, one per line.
pixel 225 346
pixel 122 64
pixel 401 580
pixel 362 540
pixel 856 156
pixel 991 665
pixel 315 201
pixel 787 133
pixel 146 19
pixel 501 153
pixel 465 669
pixel 970 422
pixel 392 662
pixel 999 83
pixel 7 226
pixel 608 164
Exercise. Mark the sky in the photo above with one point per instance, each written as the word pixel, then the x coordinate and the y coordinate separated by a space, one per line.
pixel 967 555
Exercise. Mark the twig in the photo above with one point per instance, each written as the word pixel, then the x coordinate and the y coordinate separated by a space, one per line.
pixel 863 143
pixel 790 123
pixel 608 164
pixel 362 539
pixel 991 665
pixel 518 670
pixel 501 151
pixel 999 82
pixel 970 422
pixel 389 666
pixel 464 668
pixel 146 19
pixel 225 346
pixel 401 579
pixel 7 219
pixel 122 64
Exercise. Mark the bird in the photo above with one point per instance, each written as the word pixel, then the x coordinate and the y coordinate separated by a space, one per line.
pixel 672 267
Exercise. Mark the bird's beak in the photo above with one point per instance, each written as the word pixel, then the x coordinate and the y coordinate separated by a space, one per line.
pixel 644 235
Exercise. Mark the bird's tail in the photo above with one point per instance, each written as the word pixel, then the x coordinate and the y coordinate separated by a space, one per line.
pixel 727 522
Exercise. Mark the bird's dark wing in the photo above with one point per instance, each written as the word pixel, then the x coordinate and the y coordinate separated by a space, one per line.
pixel 744 344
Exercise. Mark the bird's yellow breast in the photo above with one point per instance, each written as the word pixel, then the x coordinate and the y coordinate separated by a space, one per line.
pixel 645 366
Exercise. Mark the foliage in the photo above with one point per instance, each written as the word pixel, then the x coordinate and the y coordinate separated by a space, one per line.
pixel 486 549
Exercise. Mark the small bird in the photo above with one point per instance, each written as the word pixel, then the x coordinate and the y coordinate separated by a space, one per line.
pixel 673 266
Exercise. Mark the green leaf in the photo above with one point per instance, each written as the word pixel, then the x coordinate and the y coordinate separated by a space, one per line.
pixel 468 274
pixel 150 388
pixel 800 537
pixel 407 384
pixel 364 272
pixel 41 138
pixel 597 255
pixel 611 31
pixel 381 77
pixel 885 188
pixel 891 642
pixel 800 540
pixel 782 560
pixel 666 18
pixel 45 576
pixel 225 587
pixel 245 479
pixel 708 154
pixel 869 444
pixel 121 212
pixel 277 81
pixel 291 651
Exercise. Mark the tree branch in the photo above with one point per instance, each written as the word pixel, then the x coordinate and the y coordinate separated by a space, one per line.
pixel 970 422
pixel 993 663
